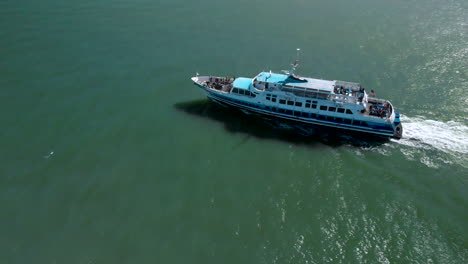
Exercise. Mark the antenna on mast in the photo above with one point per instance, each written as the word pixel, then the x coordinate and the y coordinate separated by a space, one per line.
pixel 295 64
pixel 297 54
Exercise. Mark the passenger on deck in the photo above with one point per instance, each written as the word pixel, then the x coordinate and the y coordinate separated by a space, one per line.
pixel 373 110
pixel 372 93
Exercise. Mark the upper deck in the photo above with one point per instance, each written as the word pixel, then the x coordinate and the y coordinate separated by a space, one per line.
pixel 262 79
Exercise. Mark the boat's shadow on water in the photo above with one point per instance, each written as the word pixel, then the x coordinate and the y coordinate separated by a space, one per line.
pixel 237 122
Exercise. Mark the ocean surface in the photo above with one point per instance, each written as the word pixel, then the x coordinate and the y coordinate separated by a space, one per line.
pixel 109 153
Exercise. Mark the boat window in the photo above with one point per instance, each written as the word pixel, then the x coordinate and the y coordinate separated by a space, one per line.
pixel 349 111
pixel 322 107
pixel 274 109
pixel 330 118
pixel 268 94
pixel 313 115
pixel 281 110
pixel 339 120
pixel 235 90
pixel 307 105
pixel 290 102
pixel 273 99
pixel 282 101
pixel 274 95
pixel 314 102
pixel 267 107
pixel 347 121
pixel 314 106
pixel 307 101
pixel 242 91
pixel 356 122
pixel 298 104
pixel 332 109
pixel 321 117
pixel 364 123
pixel 289 112
pixel 340 110
pixel 296 113
pixel 304 114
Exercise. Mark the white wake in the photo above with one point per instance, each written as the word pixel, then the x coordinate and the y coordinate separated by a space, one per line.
pixel 449 137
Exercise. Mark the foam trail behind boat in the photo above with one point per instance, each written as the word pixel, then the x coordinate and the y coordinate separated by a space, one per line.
pixel 449 137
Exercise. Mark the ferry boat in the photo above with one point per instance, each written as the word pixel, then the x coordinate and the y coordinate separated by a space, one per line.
pixel 307 101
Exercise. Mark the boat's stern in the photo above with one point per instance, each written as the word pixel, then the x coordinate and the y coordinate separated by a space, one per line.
pixel 398 127
pixel 394 119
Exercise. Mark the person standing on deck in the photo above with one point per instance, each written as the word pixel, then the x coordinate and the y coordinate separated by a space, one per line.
pixel 372 93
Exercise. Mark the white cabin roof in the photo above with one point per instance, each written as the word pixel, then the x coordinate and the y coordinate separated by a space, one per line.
pixel 316 84
pixel 298 82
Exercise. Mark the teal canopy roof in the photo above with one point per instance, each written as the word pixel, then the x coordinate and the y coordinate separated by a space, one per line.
pixel 271 77
pixel 278 78
pixel 242 83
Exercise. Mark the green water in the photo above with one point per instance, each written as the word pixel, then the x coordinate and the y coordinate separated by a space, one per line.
pixel 109 154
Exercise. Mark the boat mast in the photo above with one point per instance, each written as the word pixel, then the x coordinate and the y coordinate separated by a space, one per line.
pixel 295 64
